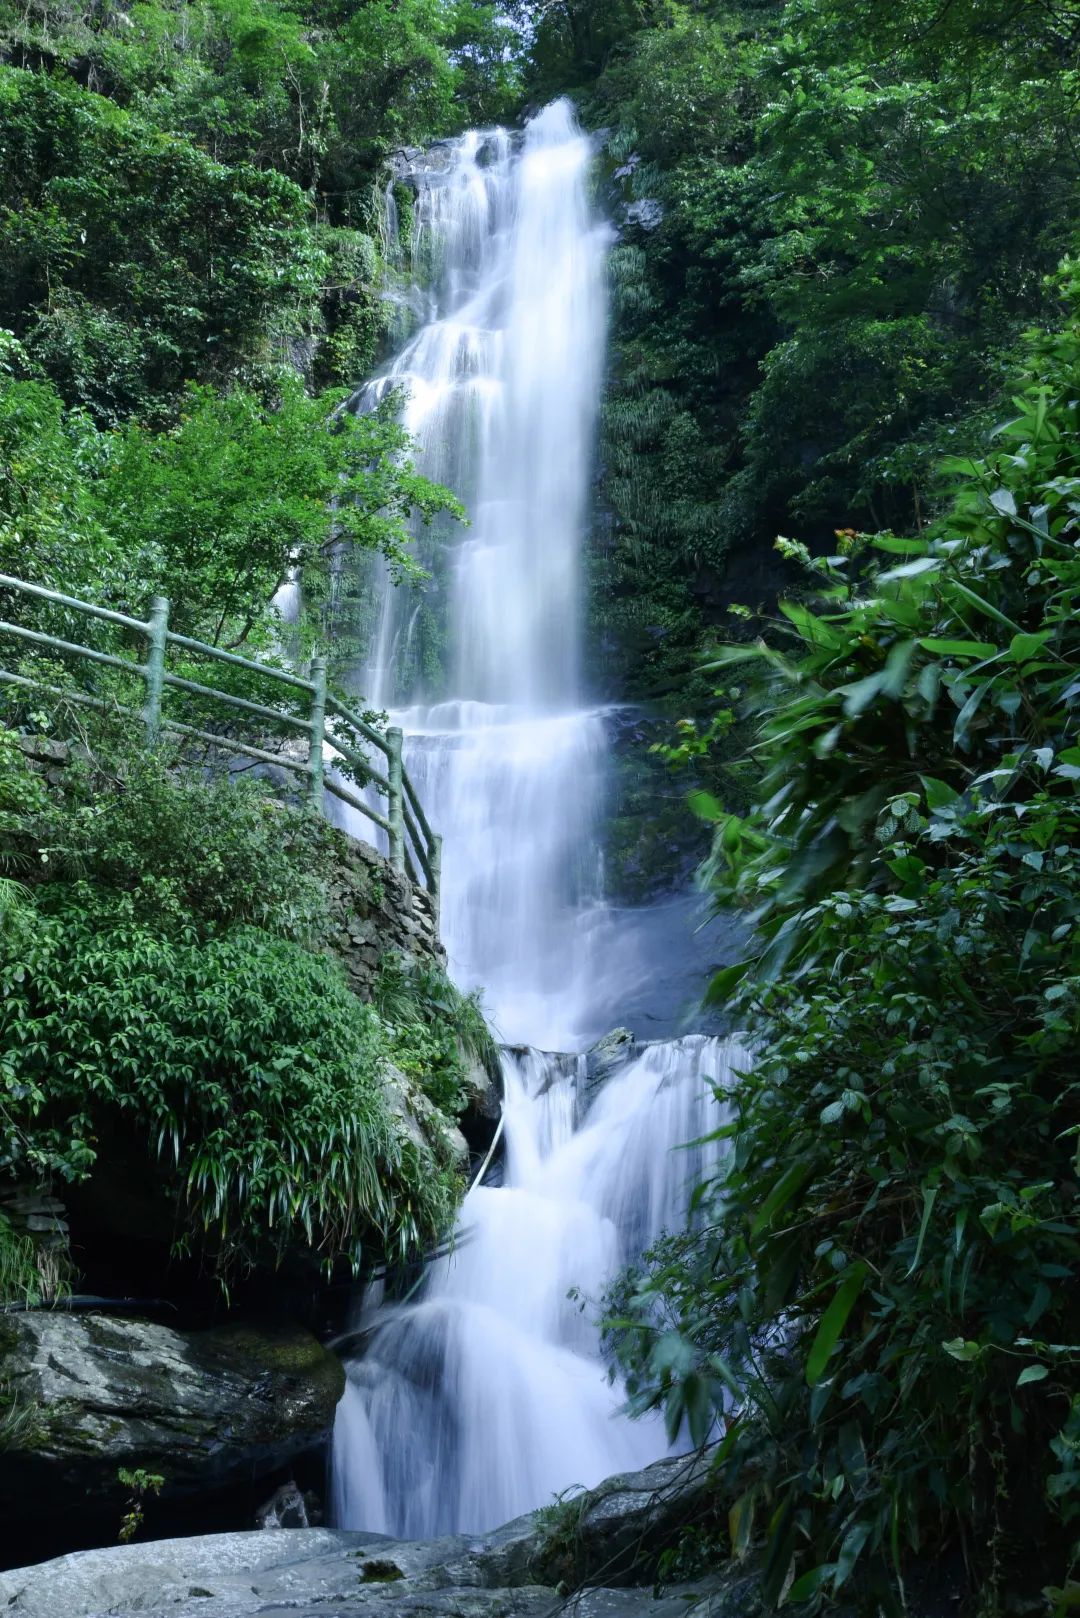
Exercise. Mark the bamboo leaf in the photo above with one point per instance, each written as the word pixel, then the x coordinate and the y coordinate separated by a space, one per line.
pixel 832 1324
pixel 790 1182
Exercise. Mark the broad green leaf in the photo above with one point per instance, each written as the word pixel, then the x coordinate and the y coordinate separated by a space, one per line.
pixel 938 794
pixel 832 1324
pixel 723 983
pixel 790 1182
pixel 896 668
pixel 962 1350
pixel 1032 1373
pixel 671 1353
pixel 985 606
pixel 1023 647
pixel 860 694
pixel 811 626
pixel 850 1551
pixel 958 648
pixel 810 1583
pixel 706 807
pixel 911 570
pixel 893 545
pixel 698 1404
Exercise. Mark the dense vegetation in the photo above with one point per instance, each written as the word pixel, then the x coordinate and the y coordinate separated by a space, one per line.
pixel 165 980
pixel 839 218
pixel 190 270
pixel 188 192
pixel 840 224
pixel 881 1296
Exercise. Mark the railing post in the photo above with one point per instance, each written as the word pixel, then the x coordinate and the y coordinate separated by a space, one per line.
pixel 396 808
pixel 435 855
pixel 318 730
pixel 157 632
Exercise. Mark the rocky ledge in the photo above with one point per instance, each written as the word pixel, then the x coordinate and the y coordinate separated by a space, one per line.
pixel 85 1395
pixel 513 1572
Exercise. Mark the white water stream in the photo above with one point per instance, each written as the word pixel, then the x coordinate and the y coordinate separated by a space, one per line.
pixel 487 1395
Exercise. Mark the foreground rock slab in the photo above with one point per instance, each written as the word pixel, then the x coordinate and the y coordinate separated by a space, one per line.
pixel 310 1573
pixel 327 1573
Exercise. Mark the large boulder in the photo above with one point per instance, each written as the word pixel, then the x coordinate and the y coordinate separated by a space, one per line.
pixel 315 1572
pixel 615 1533
pixel 89 1394
pixel 608 1057
pixel 517 1571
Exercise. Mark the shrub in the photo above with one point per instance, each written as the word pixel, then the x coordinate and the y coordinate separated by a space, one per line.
pixel 884 1299
pixel 432 1027
pixel 192 852
pixel 244 1061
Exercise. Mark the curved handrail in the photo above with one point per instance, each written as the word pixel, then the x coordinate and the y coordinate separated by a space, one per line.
pixel 329 722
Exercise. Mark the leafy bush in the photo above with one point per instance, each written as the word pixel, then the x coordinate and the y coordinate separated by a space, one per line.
pixel 840 219
pixel 196 257
pixel 215 512
pixel 884 1298
pixel 432 1027
pixel 245 490
pixel 192 852
pixel 244 1061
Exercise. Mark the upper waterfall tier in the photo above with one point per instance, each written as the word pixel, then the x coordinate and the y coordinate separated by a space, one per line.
pixel 501 386
pixel 500 389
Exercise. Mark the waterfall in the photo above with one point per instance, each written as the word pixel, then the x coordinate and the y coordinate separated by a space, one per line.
pixel 486 1395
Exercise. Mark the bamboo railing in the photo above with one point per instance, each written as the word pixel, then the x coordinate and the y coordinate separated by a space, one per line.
pixel 328 722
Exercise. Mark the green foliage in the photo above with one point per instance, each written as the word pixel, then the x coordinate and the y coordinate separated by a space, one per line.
pixel 433 1028
pixel 190 200
pixel 139 1483
pixel 192 257
pixel 558 1526
pixel 191 853
pixel 179 184
pixel 838 228
pixel 883 1298
pixel 169 990
pixel 21 1424
pixel 20 1279
pixel 244 1061
pixel 215 512
pixel 240 493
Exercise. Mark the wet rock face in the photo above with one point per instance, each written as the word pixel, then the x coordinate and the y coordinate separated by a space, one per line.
pixel 616 1532
pixel 201 1409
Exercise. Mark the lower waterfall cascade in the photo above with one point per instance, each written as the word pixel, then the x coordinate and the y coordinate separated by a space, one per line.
pixel 487 1394
pixel 488 1397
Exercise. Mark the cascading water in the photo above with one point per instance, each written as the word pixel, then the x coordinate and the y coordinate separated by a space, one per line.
pixel 488 1395
pixel 501 386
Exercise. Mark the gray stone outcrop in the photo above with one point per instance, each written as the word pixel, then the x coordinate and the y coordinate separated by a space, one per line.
pixel 93 1393
pixel 372 910
pixel 315 1572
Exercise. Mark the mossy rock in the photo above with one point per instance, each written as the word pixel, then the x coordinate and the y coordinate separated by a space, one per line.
pixel 203 1409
